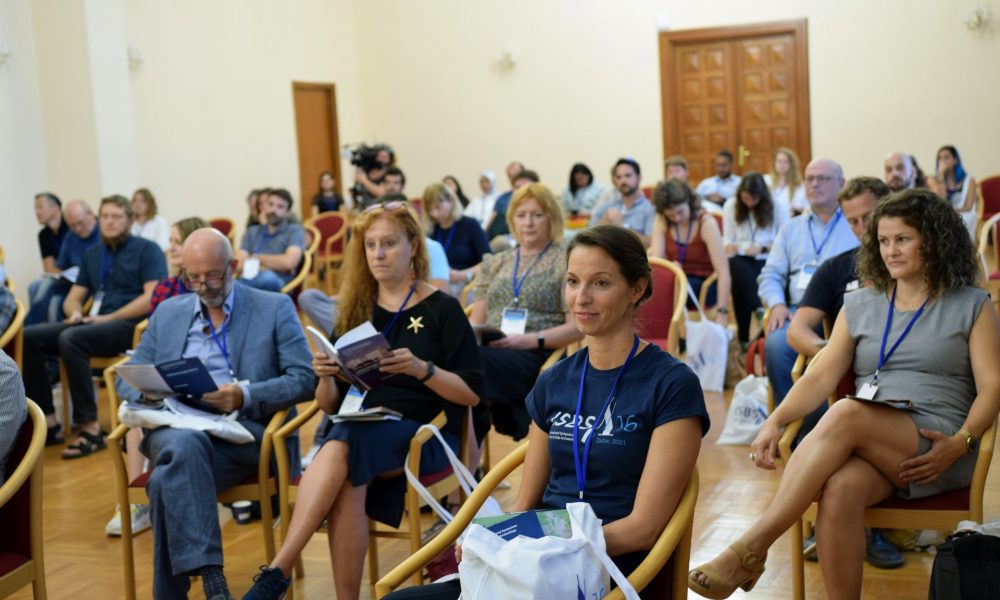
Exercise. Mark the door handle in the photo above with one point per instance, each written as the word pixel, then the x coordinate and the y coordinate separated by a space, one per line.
pixel 741 154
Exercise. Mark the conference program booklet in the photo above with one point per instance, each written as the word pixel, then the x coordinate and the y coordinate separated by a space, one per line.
pixel 69 275
pixel 358 353
pixel 533 524
pixel 187 378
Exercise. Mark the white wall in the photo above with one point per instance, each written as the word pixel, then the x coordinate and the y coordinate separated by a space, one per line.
pixel 22 149
pixel 884 75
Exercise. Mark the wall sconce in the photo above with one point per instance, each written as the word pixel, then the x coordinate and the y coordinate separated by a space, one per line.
pixel 978 18
pixel 4 53
pixel 135 58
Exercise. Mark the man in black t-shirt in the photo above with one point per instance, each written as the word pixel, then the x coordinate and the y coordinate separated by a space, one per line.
pixel 48 211
pixel 837 275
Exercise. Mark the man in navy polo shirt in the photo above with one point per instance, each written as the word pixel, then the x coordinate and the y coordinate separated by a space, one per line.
pixel 119 275
pixel 270 254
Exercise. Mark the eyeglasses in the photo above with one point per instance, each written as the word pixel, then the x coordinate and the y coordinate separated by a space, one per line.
pixel 819 178
pixel 393 205
pixel 211 280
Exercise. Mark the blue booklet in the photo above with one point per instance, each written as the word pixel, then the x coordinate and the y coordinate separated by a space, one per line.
pixel 187 376
pixel 533 524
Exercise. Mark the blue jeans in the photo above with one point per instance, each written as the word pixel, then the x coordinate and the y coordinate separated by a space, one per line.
pixel 266 280
pixel 779 359
pixel 46 297
pixel 191 468
pixel 320 308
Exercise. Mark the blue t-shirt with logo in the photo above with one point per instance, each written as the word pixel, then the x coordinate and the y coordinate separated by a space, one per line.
pixel 655 389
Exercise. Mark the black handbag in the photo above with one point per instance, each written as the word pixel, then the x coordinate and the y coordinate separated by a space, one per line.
pixel 967 567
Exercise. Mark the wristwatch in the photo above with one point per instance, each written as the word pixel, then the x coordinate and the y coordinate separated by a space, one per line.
pixel 971 443
pixel 722 310
pixel 541 342
pixel 430 372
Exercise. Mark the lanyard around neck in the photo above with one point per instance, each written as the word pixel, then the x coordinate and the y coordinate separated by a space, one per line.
pixel 882 356
pixel 395 317
pixel 221 342
pixel 682 249
pixel 451 235
pixel 581 465
pixel 106 264
pixel 517 266
pixel 829 232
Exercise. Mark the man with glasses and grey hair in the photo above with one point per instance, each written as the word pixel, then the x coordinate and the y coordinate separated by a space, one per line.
pixel 802 244
pixel 252 343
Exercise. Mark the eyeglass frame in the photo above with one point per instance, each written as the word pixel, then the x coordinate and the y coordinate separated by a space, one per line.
pixel 216 280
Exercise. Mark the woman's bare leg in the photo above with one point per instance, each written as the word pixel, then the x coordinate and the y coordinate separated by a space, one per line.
pixel 317 491
pixel 840 533
pixel 882 436
pixel 348 540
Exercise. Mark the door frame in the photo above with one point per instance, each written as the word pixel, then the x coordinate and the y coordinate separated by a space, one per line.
pixel 334 133
pixel 668 79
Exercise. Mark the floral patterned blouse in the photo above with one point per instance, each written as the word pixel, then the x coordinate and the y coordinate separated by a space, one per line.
pixel 541 292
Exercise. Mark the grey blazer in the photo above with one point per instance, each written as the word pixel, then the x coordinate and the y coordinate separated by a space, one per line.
pixel 267 344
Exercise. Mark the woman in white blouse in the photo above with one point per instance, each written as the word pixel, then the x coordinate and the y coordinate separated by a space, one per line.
pixel 148 224
pixel 785 180
pixel 480 208
pixel 750 221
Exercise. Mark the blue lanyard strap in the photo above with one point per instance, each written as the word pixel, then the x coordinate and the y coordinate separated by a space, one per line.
pixel 106 264
pixel 221 342
pixel 581 465
pixel 682 249
pixel 451 236
pixel 517 266
pixel 882 356
pixel 829 232
pixel 753 230
pixel 395 317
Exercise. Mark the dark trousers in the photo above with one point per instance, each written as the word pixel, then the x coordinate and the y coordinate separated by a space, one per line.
pixel 75 344
pixel 744 271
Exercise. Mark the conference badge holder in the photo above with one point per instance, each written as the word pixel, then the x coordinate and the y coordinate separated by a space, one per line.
pixel 95 306
pixel 805 276
pixel 251 268
pixel 353 401
pixel 514 320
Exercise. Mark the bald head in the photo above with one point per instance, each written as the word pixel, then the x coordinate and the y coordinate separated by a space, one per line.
pixel 824 178
pixel 207 244
pixel 208 264
pixel 900 173
pixel 80 218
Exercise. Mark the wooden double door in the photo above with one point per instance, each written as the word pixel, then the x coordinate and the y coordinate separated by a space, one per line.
pixel 744 88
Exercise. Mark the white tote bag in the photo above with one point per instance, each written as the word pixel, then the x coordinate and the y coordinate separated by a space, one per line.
pixel 707 348
pixel 747 412
pixel 549 567
pixel 490 508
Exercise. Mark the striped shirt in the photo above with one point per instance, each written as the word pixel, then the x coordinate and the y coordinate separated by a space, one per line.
pixel 13 409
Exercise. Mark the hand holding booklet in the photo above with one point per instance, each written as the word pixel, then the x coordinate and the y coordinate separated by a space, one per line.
pixel 186 378
pixel 358 353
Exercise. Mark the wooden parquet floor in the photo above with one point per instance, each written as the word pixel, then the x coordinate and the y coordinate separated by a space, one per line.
pixel 83 564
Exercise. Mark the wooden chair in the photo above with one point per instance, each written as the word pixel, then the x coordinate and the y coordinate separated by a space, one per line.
pixel 332 229
pixel 991 229
pixel 989 198
pixel 96 363
pixel 661 318
pixel 440 484
pixel 226 226
pixel 939 512
pixel 673 545
pixel 12 339
pixel 297 284
pixel 259 487
pixel 22 559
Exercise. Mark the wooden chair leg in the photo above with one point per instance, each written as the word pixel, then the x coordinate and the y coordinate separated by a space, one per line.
pixel 128 557
pixel 267 524
pixel 798 562
pixel 372 553
pixel 413 518
pixel 64 389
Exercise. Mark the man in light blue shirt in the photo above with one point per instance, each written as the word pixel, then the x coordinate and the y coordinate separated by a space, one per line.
pixel 721 186
pixel 626 206
pixel 801 245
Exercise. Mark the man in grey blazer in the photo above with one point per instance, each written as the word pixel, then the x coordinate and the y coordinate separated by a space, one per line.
pixel 254 341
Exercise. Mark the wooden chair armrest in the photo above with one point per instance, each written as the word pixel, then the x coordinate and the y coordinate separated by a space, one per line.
pixel 553 358
pixel 300 277
pixel 703 294
pixel 786 439
pixel 109 383
pixel 32 457
pixel 422 437
pixel 298 421
pixel 449 534
pixel 679 524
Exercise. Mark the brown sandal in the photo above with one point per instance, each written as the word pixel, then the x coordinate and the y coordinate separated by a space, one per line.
pixel 715 587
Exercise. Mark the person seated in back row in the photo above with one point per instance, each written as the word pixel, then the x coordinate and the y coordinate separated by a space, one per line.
pixel 270 254
pixel 641 410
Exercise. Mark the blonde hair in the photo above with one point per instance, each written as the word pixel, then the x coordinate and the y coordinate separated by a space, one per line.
pixel 794 178
pixel 435 194
pixel 357 297
pixel 543 195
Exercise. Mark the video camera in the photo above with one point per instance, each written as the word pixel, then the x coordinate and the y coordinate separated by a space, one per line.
pixel 365 156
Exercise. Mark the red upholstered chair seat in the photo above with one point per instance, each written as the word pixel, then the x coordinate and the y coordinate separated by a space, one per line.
pixel 995 275
pixel 140 481
pixel 10 561
pixel 951 500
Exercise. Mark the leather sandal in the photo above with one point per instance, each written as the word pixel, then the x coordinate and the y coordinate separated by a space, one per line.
pixel 85 445
pixel 54 436
pixel 715 588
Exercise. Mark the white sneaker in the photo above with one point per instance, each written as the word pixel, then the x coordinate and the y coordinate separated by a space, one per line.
pixel 140 520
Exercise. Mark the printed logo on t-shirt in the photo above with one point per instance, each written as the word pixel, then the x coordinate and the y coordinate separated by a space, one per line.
pixel 852 285
pixel 608 428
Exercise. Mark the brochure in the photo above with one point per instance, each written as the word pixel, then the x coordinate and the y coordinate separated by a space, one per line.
pixel 69 275
pixel 376 413
pixel 486 334
pixel 187 379
pixel 532 524
pixel 358 353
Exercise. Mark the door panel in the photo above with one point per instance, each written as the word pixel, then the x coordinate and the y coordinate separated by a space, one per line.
pixel 765 70
pixel 317 140
pixel 706 119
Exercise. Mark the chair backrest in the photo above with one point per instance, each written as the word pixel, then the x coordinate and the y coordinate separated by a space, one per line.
pixel 23 474
pixel 294 287
pixel 989 190
pixel 647 191
pixel 332 227
pixel 418 205
pixel 664 309
pixel 12 339
pixel 990 228
pixel 223 224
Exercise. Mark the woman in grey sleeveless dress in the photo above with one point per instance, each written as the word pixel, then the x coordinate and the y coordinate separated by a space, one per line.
pixel 931 337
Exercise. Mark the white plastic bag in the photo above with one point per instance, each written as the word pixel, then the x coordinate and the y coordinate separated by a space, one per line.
pixel 490 508
pixel 549 567
pixel 178 415
pixel 707 349
pixel 747 412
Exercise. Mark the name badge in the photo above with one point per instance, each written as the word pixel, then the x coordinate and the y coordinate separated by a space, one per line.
pixel 867 391
pixel 95 306
pixel 805 276
pixel 514 320
pixel 251 268
pixel 353 401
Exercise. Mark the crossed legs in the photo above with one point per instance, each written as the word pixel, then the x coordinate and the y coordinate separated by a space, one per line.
pixel 850 461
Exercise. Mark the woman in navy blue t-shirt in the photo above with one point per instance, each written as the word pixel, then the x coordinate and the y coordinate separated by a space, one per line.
pixel 463 239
